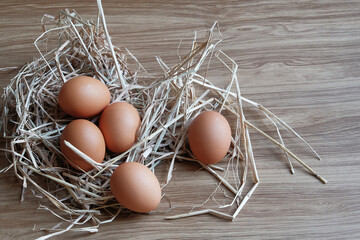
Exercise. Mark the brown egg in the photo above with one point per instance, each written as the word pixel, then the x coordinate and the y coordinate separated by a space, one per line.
pixel 119 123
pixel 86 137
pixel 209 137
pixel 135 187
pixel 83 97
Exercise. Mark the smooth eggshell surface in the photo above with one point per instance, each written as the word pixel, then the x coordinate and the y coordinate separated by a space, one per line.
pixel 136 187
pixel 119 123
pixel 209 137
pixel 86 137
pixel 83 97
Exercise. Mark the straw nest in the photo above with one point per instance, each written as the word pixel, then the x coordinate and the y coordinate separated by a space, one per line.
pixel 32 121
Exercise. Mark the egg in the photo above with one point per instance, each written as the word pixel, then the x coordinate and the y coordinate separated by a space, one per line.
pixel 135 187
pixel 83 97
pixel 209 137
pixel 85 136
pixel 119 123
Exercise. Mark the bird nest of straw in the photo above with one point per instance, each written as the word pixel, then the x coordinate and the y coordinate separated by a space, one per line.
pixel 32 121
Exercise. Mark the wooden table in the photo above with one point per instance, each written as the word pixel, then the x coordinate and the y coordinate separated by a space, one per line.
pixel 301 59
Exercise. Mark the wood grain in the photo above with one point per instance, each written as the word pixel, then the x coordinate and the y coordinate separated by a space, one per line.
pixel 298 58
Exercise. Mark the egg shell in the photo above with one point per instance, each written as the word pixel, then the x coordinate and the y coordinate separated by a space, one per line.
pixel 83 97
pixel 209 137
pixel 136 187
pixel 86 137
pixel 119 123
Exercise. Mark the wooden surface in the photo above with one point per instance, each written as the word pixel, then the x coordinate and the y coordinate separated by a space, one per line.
pixel 301 59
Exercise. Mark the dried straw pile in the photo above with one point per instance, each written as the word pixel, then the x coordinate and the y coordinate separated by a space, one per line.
pixel 32 121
